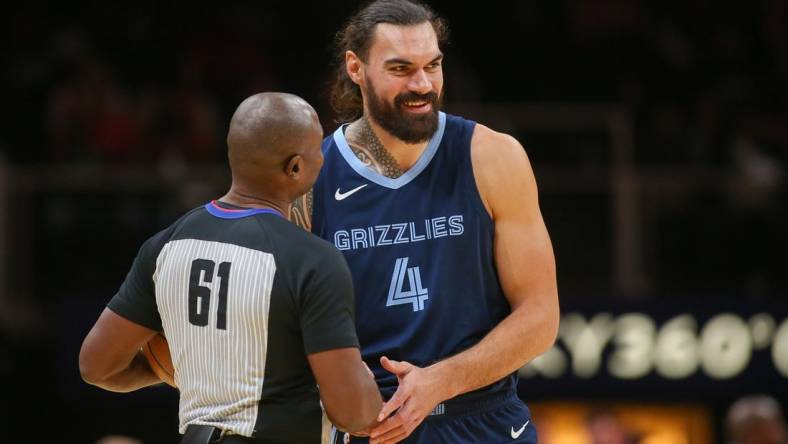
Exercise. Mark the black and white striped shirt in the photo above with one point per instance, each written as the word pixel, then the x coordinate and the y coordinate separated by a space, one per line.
pixel 243 296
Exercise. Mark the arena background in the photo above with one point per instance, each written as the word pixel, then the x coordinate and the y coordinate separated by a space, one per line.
pixel 658 132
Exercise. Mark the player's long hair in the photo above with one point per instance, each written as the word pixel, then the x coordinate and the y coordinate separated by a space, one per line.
pixel 356 36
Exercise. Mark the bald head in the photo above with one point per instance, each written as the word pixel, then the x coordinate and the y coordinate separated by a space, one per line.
pixel 267 128
pixel 274 147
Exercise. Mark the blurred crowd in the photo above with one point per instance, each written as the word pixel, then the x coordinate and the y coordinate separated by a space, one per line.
pixel 89 88
pixel 706 85
pixel 706 82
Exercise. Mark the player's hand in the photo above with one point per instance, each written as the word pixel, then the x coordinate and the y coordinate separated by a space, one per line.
pixel 419 391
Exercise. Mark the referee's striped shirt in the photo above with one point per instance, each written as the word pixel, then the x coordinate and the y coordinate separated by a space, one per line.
pixel 243 296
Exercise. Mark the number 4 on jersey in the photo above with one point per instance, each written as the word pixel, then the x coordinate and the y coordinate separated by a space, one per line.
pixel 415 294
pixel 200 295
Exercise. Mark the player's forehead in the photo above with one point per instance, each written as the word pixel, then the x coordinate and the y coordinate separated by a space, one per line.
pixel 414 43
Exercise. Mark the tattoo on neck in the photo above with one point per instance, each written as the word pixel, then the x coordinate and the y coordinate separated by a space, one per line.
pixel 372 153
pixel 301 211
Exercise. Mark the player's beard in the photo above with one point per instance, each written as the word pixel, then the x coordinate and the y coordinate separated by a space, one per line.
pixel 408 127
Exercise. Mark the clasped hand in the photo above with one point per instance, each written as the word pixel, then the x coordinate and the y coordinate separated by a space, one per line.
pixel 419 391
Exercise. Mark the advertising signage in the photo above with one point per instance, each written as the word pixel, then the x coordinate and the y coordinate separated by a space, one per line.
pixel 666 352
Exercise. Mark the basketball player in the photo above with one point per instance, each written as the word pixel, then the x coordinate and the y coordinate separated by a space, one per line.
pixel 252 306
pixel 438 219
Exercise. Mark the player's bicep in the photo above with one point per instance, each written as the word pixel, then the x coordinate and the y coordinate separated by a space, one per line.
pixel 525 260
pixel 522 247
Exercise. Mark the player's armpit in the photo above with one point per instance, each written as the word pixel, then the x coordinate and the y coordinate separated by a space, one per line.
pixel 301 211
pixel 347 390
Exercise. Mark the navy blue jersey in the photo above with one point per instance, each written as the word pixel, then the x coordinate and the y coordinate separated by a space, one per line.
pixel 419 247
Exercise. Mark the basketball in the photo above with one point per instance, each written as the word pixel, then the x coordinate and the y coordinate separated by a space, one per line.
pixel 157 352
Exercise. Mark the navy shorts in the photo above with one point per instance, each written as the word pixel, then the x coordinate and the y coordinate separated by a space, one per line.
pixel 491 419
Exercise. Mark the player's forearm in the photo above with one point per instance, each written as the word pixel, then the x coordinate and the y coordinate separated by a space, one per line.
pixel 134 376
pixel 525 334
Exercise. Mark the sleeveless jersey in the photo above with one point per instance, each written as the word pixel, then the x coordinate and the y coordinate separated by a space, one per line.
pixel 419 247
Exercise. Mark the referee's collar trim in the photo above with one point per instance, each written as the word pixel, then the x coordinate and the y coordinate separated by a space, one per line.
pixel 230 213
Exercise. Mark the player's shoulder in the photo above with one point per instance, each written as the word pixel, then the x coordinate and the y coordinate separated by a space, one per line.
pixel 496 152
pixel 499 163
pixel 490 142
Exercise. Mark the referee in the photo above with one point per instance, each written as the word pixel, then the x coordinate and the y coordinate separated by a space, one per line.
pixel 258 313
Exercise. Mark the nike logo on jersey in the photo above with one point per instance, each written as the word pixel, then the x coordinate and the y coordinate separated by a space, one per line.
pixel 342 196
pixel 517 434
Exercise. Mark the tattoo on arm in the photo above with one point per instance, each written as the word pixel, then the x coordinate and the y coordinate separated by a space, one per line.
pixel 301 211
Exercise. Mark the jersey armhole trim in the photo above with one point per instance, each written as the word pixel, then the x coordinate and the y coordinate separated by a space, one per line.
pixel 473 184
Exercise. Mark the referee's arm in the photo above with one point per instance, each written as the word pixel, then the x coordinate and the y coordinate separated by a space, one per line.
pixel 347 388
pixel 110 356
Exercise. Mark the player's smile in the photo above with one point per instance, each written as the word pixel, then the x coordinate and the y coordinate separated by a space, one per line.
pixel 417 107
pixel 415 103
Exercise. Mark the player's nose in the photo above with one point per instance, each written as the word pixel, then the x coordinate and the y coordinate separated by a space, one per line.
pixel 420 82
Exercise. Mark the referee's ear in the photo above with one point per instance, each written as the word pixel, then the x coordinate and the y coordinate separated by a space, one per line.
pixel 294 166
